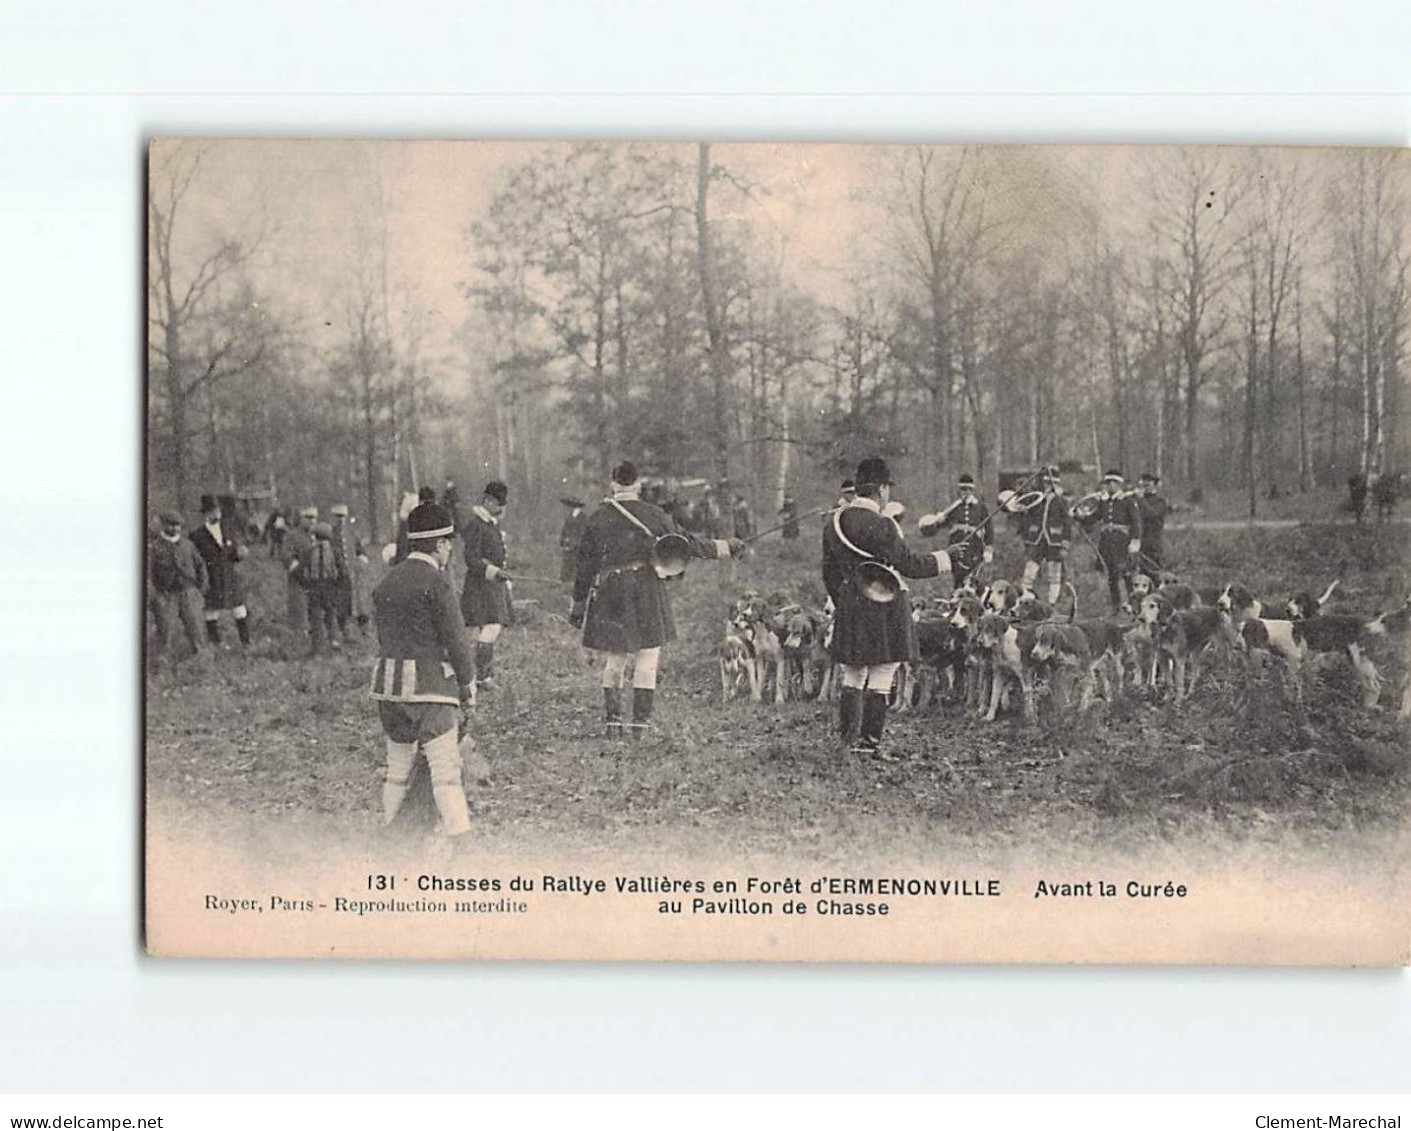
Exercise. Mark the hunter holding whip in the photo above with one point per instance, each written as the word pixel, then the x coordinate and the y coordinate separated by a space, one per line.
pixel 628 548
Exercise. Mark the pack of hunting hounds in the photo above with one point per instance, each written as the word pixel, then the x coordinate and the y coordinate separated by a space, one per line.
pixel 988 647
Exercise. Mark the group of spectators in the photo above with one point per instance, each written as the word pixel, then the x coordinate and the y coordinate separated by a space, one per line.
pixel 195 575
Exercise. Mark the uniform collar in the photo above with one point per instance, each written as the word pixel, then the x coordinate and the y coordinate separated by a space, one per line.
pixel 172 538
pixel 484 515
pixel 625 493
pixel 417 555
pixel 867 504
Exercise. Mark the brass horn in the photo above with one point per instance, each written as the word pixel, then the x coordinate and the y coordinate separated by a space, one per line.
pixel 878 582
pixel 1086 507
pixel 1016 503
pixel 670 553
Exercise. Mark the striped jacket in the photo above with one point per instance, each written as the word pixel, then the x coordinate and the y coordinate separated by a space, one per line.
pixel 424 654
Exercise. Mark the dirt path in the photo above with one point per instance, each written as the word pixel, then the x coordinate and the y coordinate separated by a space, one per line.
pixel 1266 523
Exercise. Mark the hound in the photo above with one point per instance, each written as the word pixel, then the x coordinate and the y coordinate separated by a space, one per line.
pixel 1340 632
pixel 1179 595
pixel 751 629
pixel 979 670
pixel 1107 644
pixel 1066 646
pixel 942 648
pixel 736 666
pixel 1029 609
pixel 1182 636
pixel 1008 645
pixel 1239 602
pixel 802 635
pixel 999 597
pixel 1301 606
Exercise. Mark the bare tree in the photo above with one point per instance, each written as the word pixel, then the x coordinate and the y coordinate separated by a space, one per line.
pixel 1368 210
pixel 185 287
pixel 1192 194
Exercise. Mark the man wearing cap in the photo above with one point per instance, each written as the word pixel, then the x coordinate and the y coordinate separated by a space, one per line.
pixel 485 600
pixel 317 571
pixel 870 639
pixel 1153 508
pixel 404 510
pixel 176 577
pixel 1046 526
pixel 789 513
pixel 1118 521
pixel 569 537
pixel 743 518
pixel 621 602
pixel 971 537
pixel 297 545
pixel 215 541
pixel 350 553
pixel 276 529
pixel 424 671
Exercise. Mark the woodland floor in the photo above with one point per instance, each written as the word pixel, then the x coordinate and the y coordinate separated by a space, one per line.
pixel 267 738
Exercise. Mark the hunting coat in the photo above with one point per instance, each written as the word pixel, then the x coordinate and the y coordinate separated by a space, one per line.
pixel 628 607
pixel 221 553
pixel 866 632
pixel 484 601
pixel 965 540
pixel 1118 520
pixel 1047 523
pixel 424 653
pixel 1152 509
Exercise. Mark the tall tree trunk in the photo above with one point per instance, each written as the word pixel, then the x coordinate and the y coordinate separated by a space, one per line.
pixel 1251 400
pixel 715 331
pixel 785 448
pixel 370 445
pixel 1336 394
pixel 1305 470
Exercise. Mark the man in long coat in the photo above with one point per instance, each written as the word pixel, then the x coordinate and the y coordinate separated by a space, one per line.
pixel 485 599
pixel 424 670
pixel 351 555
pixel 870 639
pixel 1153 507
pixel 619 600
pixel 1118 521
pixel 222 551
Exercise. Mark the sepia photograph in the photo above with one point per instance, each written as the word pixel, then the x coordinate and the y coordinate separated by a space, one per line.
pixel 789 552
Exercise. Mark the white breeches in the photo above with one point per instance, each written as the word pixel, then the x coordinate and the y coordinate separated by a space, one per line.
pixel 870 677
pixel 644 668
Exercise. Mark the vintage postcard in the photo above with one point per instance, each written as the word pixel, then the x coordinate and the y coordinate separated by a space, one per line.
pixel 777 552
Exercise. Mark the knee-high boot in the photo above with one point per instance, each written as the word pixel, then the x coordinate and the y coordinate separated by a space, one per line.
pixel 874 720
pixel 643 699
pixel 849 714
pixel 612 711
pixel 484 662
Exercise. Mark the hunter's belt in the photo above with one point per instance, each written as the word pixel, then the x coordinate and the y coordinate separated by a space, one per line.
pixel 1106 526
pixel 631 567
